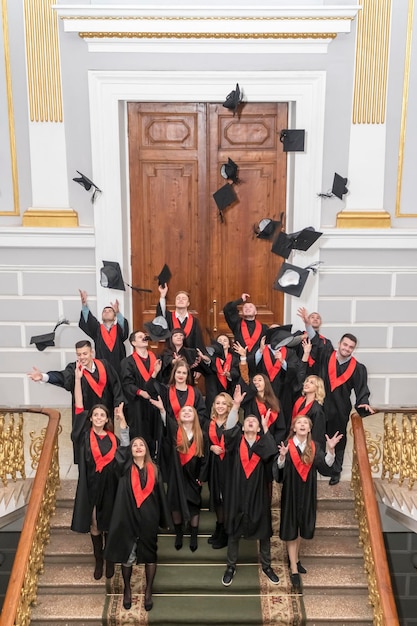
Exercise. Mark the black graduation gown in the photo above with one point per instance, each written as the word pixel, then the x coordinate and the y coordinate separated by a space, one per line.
pixel 299 498
pixel 234 321
pixel 130 524
pixel 277 428
pixel 316 413
pixel 156 388
pixel 217 469
pixel 143 418
pixel 112 394
pixel 95 330
pixel 184 481
pixel 167 355
pixel 319 345
pixel 94 489
pixel 286 384
pixel 212 382
pixel 247 502
pixel 194 339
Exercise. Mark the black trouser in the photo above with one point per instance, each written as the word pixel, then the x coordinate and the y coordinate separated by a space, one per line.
pixel 264 551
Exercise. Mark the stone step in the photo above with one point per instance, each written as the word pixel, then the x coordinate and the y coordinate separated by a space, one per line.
pixel 338 609
pixel 73 578
pixel 69 609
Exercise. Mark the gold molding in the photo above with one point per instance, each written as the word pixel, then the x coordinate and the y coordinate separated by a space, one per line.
pixel 43 63
pixel 10 112
pixel 363 219
pixel 48 218
pixel 371 64
pixel 183 35
pixel 403 127
pixel 205 18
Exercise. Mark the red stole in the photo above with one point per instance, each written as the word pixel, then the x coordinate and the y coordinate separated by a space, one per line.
pixel 310 360
pixel 142 367
pixel 273 368
pixel 97 385
pixel 173 399
pixel 221 366
pixel 249 340
pixel 302 468
pixel 109 336
pixel 139 493
pixel 335 380
pixel 100 460
pixel 248 464
pixel 185 457
pixel 297 410
pixel 188 325
pixel 214 438
pixel 263 411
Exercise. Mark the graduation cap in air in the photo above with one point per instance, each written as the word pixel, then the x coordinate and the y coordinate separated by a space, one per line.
pixel 233 99
pixel 291 279
pixel 292 140
pixel 164 275
pixel 265 229
pixel 229 171
pixel 215 349
pixel 158 328
pixel 224 197
pixel 111 278
pixel 339 186
pixel 48 339
pixel 280 336
pixel 301 240
pixel 87 184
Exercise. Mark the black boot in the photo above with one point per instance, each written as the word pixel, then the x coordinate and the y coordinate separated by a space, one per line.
pixel 98 554
pixel 127 592
pixel 109 564
pixel 150 571
pixel 221 541
pixel 193 538
pixel 178 536
pixel 215 535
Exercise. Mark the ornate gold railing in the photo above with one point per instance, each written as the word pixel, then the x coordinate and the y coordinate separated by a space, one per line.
pixel 400 445
pixel 28 562
pixel 370 531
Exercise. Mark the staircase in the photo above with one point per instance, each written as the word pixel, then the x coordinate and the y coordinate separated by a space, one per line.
pixel 334 589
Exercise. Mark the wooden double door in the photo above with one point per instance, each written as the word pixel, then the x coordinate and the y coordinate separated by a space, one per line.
pixel 175 155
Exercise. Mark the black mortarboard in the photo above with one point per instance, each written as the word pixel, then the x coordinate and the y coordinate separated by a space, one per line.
pixel 215 349
pixel 229 171
pixel 292 140
pixel 158 328
pixel 233 99
pixel 276 331
pixel 266 228
pixel 291 279
pixel 87 184
pixel 280 336
pixel 48 339
pixel 111 276
pixel 164 275
pixel 301 240
pixel 339 186
pixel 224 197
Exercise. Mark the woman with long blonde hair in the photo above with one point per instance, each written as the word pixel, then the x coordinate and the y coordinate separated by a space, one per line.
pixel 299 460
pixel 310 403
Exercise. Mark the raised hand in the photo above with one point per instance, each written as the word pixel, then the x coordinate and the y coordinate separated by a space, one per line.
pixel 331 442
pixel 83 296
pixel 35 374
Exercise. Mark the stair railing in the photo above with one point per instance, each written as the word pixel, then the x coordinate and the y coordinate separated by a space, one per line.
pixel 28 563
pixel 370 532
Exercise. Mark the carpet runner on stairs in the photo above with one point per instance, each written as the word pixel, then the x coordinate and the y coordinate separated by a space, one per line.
pixel 188 587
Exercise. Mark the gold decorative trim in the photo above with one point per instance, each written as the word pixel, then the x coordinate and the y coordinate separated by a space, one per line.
pixel 182 35
pixel 50 218
pixel 371 67
pixel 10 111
pixel 206 18
pixel 403 128
pixel 363 219
pixel 43 63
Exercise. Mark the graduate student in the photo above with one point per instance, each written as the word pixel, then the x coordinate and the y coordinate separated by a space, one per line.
pixel 223 406
pixel 96 447
pixel 100 383
pixel 175 349
pixel 299 459
pixel 247 330
pixel 136 370
pixel 188 466
pixel 181 317
pixel 247 503
pixel 220 369
pixel 313 322
pixel 139 510
pixel 108 335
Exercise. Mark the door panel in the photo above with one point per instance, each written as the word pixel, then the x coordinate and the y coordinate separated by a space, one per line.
pixel 175 155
